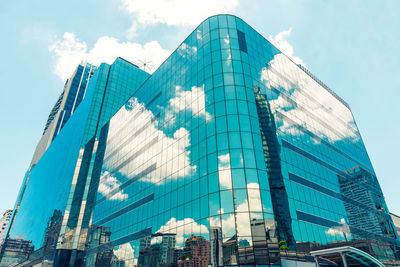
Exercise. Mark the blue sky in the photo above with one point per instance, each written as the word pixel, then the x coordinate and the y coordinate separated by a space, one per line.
pixel 352 46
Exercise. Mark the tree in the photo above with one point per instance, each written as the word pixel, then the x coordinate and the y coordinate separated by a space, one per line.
pixel 282 245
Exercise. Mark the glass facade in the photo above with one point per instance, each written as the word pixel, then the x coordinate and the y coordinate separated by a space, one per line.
pixel 75 89
pixel 232 143
pixel 229 154
pixel 70 98
pixel 49 210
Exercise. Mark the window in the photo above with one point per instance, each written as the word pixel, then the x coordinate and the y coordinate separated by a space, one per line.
pixel 242 41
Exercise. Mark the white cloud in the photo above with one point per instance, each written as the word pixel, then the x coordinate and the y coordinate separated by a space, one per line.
pixel 126 253
pixel 242 220
pixel 253 191
pixel 229 224
pixel 281 42
pixel 193 100
pixel 109 183
pixel 169 153
pixel 310 95
pixel 131 32
pixel 224 171
pixel 183 229
pixel 176 12
pixel 224 161
pixel 186 51
pixel 69 51
pixel 343 230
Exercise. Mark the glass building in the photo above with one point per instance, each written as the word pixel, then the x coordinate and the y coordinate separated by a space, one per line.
pixel 228 154
pixel 69 99
pixel 50 210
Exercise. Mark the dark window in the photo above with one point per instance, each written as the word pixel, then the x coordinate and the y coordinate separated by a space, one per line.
pixel 242 41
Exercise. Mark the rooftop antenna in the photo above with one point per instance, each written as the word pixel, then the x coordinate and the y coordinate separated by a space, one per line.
pixel 146 65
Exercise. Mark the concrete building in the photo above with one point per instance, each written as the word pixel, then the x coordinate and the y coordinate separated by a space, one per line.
pixel 4 224
pixel 396 221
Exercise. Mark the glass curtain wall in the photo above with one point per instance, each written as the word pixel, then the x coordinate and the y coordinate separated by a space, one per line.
pixel 193 158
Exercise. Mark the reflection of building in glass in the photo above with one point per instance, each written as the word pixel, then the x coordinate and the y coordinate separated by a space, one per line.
pixel 4 224
pixel 216 255
pixel 368 213
pixel 268 246
pixel 99 236
pixel 196 252
pixel 15 251
pixel 51 235
pixel 158 250
pixel 272 151
pixel 230 251
pixel 167 248
pixel 225 154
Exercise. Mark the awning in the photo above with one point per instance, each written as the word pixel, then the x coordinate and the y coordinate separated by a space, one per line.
pixel 347 255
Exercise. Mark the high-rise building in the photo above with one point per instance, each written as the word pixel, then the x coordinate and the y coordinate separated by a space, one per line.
pixel 69 99
pixel 99 236
pixel 61 179
pixel 196 252
pixel 157 250
pixel 229 152
pixel 216 254
pixel 4 224
pixel 363 186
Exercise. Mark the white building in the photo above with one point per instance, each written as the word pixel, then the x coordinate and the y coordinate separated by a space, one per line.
pixel 4 223
pixel 396 221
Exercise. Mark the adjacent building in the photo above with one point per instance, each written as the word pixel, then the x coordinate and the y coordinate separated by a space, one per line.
pixel 4 224
pixel 69 99
pixel 228 154
pixel 396 221
pixel 59 184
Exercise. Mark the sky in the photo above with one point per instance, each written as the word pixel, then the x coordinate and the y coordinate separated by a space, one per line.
pixel 352 46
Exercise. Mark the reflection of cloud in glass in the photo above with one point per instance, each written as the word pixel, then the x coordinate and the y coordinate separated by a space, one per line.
pixel 228 224
pixel 242 214
pixel 168 153
pixel 224 162
pixel 253 197
pixel 309 95
pixel 227 42
pixel 109 183
pixel 253 191
pixel 125 253
pixel 224 171
pixel 186 51
pixel 183 229
pixel 193 100
pixel 343 230
pixel 199 35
